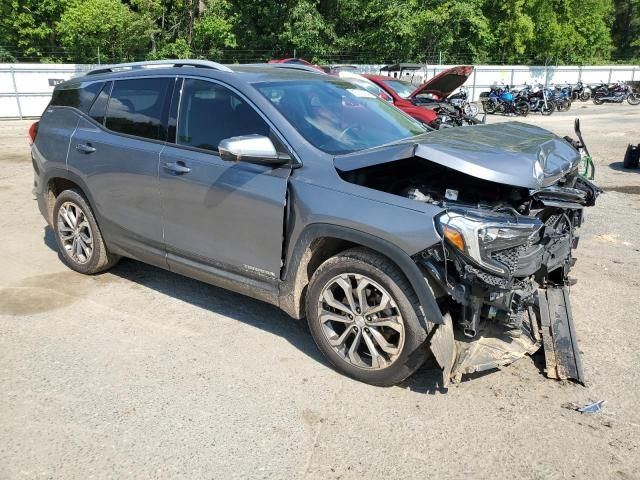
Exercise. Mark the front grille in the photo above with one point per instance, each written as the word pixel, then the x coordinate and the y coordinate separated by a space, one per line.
pixel 487 278
pixel 509 257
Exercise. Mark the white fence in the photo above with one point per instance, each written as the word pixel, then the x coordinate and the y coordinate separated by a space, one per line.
pixel 25 89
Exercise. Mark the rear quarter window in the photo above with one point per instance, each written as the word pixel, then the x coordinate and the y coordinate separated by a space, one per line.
pixel 99 107
pixel 137 107
pixel 76 96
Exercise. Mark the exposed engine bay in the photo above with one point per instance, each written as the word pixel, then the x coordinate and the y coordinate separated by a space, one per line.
pixel 501 273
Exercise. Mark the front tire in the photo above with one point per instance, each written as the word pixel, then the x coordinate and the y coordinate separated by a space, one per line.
pixel 633 99
pixel 470 110
pixel 548 109
pixel 363 315
pixel 78 236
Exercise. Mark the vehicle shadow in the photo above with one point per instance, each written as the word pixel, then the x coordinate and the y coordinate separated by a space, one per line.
pixel 243 309
pixel 617 166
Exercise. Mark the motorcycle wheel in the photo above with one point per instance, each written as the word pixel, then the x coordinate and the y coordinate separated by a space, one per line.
pixel 585 96
pixel 597 99
pixel 488 107
pixel 567 105
pixel 471 110
pixel 633 99
pixel 522 108
pixel 547 109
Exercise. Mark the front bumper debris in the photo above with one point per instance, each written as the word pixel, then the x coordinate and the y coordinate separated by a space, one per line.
pixel 548 323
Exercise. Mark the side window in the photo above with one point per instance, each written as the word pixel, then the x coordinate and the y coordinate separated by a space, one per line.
pixel 136 107
pixel 210 113
pixel 77 96
pixel 99 107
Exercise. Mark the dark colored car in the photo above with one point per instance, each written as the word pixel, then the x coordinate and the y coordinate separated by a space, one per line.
pixel 416 101
pixel 308 192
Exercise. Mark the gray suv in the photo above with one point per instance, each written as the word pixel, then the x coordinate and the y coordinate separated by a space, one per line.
pixel 305 191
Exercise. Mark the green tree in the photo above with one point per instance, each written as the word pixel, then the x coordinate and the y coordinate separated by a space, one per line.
pixel 571 32
pixel 307 31
pixel 513 28
pixel 213 31
pixel 105 26
pixel 626 28
pixel 28 27
pixel 457 29
pixel 259 24
pixel 377 30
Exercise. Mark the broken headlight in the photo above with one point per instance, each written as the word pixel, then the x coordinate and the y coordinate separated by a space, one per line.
pixel 478 235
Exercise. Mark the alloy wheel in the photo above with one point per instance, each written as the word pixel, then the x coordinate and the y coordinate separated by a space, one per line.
pixel 75 232
pixel 361 321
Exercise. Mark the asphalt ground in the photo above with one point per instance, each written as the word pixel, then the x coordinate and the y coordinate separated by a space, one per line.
pixel 141 373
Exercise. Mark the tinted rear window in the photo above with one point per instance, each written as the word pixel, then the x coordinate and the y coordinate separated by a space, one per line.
pixel 79 96
pixel 137 106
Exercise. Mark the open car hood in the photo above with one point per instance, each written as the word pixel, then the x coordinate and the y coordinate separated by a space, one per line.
pixel 511 153
pixel 445 82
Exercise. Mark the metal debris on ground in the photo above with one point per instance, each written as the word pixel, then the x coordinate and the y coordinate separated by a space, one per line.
pixel 594 407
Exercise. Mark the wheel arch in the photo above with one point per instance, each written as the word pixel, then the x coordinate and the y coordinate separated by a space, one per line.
pixel 318 242
pixel 58 180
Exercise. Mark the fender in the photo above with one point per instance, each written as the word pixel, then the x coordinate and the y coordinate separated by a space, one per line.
pixel 57 172
pixel 429 308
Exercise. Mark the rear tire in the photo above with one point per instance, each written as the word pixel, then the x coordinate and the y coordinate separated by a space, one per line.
pixel 597 99
pixel 79 238
pixel 380 347
pixel 522 108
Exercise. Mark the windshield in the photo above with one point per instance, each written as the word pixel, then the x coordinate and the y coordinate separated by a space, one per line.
pixel 338 117
pixel 403 89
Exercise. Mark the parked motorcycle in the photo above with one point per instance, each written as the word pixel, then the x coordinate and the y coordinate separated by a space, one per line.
pixel 581 92
pixel 561 96
pixel 538 99
pixel 502 100
pixel 461 100
pixel 616 93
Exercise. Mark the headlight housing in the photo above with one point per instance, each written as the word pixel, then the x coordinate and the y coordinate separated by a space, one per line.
pixel 478 234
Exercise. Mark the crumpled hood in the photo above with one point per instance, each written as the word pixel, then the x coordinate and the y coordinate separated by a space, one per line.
pixel 511 153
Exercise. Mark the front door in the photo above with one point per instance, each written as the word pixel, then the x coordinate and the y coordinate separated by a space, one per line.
pixel 223 221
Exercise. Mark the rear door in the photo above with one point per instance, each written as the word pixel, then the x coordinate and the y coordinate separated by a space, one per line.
pixel 221 219
pixel 118 154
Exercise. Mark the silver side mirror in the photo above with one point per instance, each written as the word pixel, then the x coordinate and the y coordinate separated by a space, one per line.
pixel 251 149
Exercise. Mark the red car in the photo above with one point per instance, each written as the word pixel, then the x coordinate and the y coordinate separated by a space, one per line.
pixel 298 61
pixel 404 94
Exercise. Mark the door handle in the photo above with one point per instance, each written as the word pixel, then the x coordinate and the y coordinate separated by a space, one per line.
pixel 178 167
pixel 85 148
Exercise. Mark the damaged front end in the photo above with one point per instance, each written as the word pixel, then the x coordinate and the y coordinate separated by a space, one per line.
pixel 500 274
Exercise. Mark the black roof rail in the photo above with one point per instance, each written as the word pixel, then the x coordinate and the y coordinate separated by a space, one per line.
pixel 157 63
